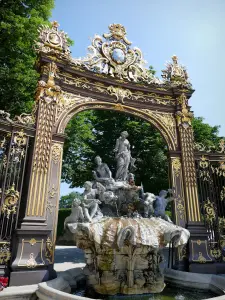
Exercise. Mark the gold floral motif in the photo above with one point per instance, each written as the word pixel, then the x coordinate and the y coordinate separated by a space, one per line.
pixel 222 193
pixel 176 164
pixel 120 93
pixel 216 253
pixel 20 138
pixel 167 120
pixel 119 107
pixel 5 253
pixel 84 83
pixel 222 165
pixel 49 250
pixel 201 258
pixel 184 116
pixel 222 146
pixel 31 262
pixel 222 243
pixel 32 242
pixel 209 210
pixel 56 152
pixel 10 202
pixel 204 163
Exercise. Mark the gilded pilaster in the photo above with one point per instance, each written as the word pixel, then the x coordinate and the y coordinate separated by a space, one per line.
pixel 184 117
pixel 47 98
pixel 178 192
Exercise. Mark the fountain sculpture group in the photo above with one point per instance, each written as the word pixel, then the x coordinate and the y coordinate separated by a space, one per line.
pixel 122 229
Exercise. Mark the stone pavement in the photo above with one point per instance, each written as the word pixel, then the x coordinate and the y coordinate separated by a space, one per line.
pixel 68 257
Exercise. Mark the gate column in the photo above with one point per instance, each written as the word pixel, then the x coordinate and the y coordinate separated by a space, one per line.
pixel 199 259
pixel 33 251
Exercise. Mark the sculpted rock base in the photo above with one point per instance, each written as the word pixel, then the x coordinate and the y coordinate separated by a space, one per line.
pixel 123 254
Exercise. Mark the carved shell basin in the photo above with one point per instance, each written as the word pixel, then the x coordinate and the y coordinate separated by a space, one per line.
pixel 118 56
pixel 116 232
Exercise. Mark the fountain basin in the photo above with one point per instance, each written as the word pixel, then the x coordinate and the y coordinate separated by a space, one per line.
pixel 123 254
pixel 74 278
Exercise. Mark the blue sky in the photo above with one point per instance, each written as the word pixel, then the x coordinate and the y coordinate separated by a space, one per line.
pixel 194 30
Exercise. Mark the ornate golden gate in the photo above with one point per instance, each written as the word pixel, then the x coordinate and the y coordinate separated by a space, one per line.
pixel 112 77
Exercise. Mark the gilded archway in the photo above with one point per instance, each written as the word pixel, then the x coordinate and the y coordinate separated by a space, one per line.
pixel 112 77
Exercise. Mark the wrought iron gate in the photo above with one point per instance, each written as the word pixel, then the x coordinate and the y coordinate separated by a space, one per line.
pixel 14 145
pixel 211 191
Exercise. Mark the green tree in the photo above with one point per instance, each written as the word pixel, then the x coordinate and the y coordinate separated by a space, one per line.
pixel 94 133
pixel 204 133
pixel 66 201
pixel 20 21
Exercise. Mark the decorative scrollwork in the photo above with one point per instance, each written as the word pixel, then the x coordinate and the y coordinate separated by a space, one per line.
pixel 116 58
pixel 6 116
pixel 25 119
pixel 222 193
pixel 209 210
pixel 167 120
pixel 52 41
pixel 216 253
pixel 20 138
pixel 176 164
pixel 5 253
pixel 204 169
pixel 10 202
pixel 184 116
pixel 56 152
pixel 217 148
pixel 201 258
pixel 119 93
pixel 176 73
pixel 49 250
pixel 31 262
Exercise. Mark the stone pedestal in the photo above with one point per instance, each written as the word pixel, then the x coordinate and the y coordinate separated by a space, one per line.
pixel 200 260
pixel 29 256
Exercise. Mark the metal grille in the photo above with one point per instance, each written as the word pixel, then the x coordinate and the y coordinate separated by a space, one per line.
pixel 13 152
pixel 211 190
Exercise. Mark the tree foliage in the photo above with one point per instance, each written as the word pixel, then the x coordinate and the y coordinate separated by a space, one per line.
pixel 66 201
pixel 20 21
pixel 204 133
pixel 92 133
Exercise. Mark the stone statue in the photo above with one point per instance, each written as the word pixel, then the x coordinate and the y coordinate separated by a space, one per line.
pixel 122 250
pixel 76 213
pixel 161 203
pixel 91 209
pixel 149 199
pixel 102 173
pixel 123 156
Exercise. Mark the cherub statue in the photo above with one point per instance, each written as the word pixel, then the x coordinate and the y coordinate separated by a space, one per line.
pixel 161 203
pixel 76 213
pixel 90 204
pixel 149 198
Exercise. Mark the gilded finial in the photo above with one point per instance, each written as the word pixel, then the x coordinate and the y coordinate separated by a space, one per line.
pixel 117 32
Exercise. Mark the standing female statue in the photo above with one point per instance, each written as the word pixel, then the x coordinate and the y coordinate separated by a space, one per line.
pixel 123 156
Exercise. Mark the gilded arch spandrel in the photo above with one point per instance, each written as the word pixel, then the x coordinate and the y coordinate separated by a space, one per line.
pixel 73 104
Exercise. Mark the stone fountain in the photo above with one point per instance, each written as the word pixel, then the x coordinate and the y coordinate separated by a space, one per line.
pixel 122 229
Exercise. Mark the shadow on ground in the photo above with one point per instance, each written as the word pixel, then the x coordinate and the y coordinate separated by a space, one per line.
pixel 71 255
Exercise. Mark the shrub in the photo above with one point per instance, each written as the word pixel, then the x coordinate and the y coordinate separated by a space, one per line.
pixel 63 213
